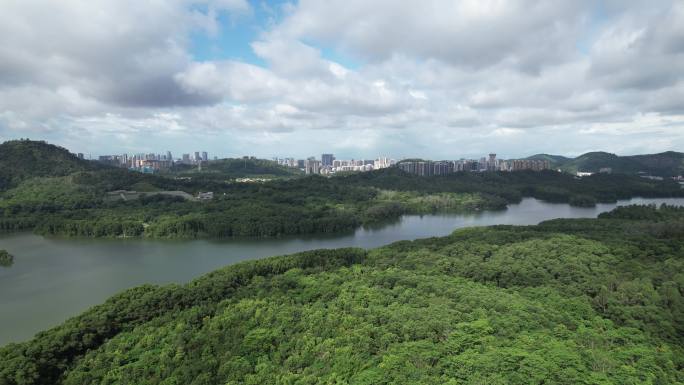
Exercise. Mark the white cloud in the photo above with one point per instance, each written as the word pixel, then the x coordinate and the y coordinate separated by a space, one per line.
pixel 642 50
pixel 431 78
pixel 473 33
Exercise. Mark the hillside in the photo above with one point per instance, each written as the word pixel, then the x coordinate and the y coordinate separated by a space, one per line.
pixel 555 160
pixel 237 168
pixel 594 161
pixel 24 159
pixel 585 301
pixel 664 164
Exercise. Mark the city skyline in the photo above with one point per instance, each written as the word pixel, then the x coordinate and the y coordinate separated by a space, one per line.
pixel 203 155
pixel 454 155
pixel 329 164
pixel 412 79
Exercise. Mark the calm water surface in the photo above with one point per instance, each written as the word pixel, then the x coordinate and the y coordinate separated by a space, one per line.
pixel 53 279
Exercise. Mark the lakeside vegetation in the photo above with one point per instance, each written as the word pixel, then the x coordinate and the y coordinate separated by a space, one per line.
pixel 66 196
pixel 6 259
pixel 569 301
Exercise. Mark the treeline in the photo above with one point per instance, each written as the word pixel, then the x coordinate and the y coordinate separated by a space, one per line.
pixel 575 301
pixel 550 186
pixel 243 221
pixel 645 212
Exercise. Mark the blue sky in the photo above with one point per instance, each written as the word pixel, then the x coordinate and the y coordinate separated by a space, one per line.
pixel 237 32
pixel 431 78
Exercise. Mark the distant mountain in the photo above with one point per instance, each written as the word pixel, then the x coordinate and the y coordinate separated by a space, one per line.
pixel 666 164
pixel 555 160
pixel 594 161
pixel 24 159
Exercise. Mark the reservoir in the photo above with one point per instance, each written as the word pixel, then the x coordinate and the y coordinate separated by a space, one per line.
pixel 54 279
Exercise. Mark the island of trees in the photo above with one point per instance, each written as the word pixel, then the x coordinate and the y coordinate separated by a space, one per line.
pixel 569 301
pixel 6 259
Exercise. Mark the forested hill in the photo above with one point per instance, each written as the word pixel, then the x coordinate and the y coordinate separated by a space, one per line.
pixel 665 164
pixel 555 160
pixel 237 168
pixel 581 301
pixel 24 159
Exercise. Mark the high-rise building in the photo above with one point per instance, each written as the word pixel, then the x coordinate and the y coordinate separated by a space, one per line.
pixel 327 159
pixel 205 156
pixel 169 157
pixel 186 158
pixel 491 163
pixel 197 156
pixel 312 166
pixel 80 155
pixel 383 162
pixel 442 168
pixel 419 168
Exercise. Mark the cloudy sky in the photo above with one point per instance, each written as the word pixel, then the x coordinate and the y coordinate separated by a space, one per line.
pixel 359 78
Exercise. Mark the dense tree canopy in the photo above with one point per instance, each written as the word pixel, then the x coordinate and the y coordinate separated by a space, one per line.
pixel 581 301
pixel 24 159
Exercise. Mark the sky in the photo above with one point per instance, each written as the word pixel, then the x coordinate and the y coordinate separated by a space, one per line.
pixel 436 79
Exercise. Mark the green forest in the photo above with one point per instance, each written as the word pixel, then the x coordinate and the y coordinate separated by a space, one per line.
pixel 223 169
pixel 569 301
pixel 45 189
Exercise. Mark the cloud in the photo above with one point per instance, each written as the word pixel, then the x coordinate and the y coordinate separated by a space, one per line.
pixel 120 52
pixel 431 78
pixel 470 33
pixel 642 51
pixel 312 84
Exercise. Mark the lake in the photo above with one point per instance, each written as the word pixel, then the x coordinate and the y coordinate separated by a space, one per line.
pixel 53 279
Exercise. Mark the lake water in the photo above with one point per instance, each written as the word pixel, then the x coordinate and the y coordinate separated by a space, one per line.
pixel 53 279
